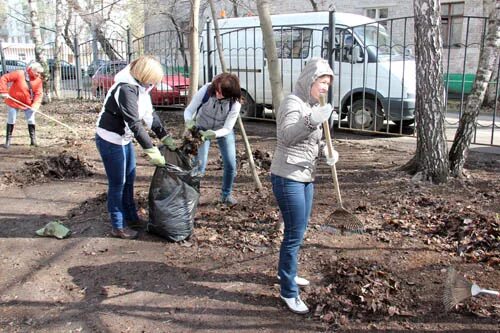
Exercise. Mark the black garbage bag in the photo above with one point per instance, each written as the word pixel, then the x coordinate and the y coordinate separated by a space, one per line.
pixel 173 197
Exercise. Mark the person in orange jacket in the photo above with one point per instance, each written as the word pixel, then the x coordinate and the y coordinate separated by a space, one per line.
pixel 26 87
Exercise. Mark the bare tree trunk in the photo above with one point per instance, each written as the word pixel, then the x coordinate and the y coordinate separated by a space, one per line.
pixel 431 158
pixel 271 54
pixel 235 8
pixel 487 62
pixel 180 38
pixel 67 35
pixel 57 49
pixel 220 51
pixel 314 5
pixel 95 23
pixel 493 87
pixel 36 36
pixel 194 49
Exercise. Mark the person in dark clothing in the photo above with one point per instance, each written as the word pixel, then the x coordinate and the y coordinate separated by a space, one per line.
pixel 126 106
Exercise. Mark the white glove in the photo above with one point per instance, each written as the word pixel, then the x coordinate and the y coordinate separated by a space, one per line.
pixel 331 160
pixel 320 114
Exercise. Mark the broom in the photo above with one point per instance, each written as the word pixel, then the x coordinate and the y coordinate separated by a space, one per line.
pixel 457 289
pixel 340 219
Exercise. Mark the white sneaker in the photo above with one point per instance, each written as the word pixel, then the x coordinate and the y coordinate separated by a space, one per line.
pixel 299 281
pixel 295 305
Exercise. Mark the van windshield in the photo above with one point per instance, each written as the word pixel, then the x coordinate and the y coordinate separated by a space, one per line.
pixel 374 36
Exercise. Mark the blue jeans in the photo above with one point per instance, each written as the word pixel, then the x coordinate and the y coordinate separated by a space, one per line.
pixel 227 148
pixel 119 163
pixel 295 202
pixel 29 115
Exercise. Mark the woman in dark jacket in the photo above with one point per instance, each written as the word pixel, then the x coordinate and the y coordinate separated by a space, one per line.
pixel 126 107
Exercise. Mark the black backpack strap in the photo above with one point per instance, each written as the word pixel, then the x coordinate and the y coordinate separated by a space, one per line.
pixel 27 78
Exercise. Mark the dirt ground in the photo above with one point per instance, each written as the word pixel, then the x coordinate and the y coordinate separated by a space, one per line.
pixel 389 279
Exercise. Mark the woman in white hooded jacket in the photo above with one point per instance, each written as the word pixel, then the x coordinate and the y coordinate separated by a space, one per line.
pixel 299 132
pixel 126 107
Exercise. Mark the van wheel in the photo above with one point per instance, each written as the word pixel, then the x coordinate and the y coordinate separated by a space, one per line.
pixel 248 106
pixel 364 117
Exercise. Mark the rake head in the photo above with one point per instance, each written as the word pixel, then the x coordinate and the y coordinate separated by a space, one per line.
pixel 343 220
pixel 456 289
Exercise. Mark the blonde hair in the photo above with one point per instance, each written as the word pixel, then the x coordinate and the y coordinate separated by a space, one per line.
pixel 36 67
pixel 146 69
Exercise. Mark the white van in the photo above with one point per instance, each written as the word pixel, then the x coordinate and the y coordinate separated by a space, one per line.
pixel 374 79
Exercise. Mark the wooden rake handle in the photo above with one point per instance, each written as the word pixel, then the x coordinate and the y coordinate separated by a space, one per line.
pixel 47 116
pixel 328 139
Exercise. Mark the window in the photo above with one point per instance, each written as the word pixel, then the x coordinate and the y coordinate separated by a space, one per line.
pixel 378 14
pixel 452 16
pixel 293 42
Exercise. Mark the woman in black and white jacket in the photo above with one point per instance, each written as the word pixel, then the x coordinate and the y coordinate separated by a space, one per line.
pixel 126 107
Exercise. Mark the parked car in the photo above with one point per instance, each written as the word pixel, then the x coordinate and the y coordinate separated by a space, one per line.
pixel 94 65
pixel 173 89
pixel 12 65
pixel 68 71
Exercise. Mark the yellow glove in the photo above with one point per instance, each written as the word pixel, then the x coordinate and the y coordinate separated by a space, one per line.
pixel 208 135
pixel 169 142
pixel 155 157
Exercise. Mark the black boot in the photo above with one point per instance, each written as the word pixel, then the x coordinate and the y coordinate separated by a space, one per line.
pixel 31 130
pixel 8 136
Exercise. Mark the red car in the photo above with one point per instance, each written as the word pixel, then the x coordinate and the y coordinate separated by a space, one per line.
pixel 173 88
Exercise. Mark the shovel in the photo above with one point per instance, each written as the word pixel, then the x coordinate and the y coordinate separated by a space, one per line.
pixel 340 219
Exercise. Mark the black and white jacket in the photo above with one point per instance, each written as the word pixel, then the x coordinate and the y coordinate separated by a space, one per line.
pixel 126 106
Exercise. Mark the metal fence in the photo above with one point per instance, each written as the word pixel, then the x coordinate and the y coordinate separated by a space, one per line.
pixel 373 62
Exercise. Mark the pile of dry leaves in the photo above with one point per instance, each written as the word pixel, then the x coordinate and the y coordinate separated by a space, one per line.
pixel 59 167
pixel 463 229
pixel 355 288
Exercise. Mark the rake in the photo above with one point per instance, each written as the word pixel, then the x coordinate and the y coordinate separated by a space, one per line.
pixel 457 289
pixel 340 219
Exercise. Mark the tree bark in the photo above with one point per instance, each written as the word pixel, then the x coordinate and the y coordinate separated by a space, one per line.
pixel 95 22
pixel 194 49
pixel 487 61
pixel 271 54
pixel 57 49
pixel 220 51
pixel 180 38
pixel 491 93
pixel 314 5
pixel 36 36
pixel 431 158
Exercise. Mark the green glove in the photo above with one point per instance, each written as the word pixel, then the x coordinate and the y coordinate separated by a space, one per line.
pixel 169 142
pixel 190 124
pixel 208 135
pixel 155 157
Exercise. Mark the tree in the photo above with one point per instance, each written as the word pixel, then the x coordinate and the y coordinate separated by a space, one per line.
pixel 194 48
pixel 57 49
pixel 487 61
pixel 431 158
pixel 95 21
pixel 36 36
pixel 220 51
pixel 271 53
